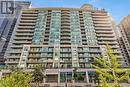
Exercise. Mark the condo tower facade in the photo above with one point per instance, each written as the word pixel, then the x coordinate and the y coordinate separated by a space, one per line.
pixel 124 38
pixel 7 24
pixel 62 39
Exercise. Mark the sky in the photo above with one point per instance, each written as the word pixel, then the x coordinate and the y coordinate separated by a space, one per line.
pixel 118 9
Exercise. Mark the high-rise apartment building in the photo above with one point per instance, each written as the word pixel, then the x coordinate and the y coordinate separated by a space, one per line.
pixel 62 39
pixel 124 38
pixel 7 24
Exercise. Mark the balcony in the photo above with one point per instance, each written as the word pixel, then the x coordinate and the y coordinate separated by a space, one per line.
pixel 65 28
pixel 65 38
pixel 99 14
pixel 26 24
pixel 13 57
pixel 65 61
pixel 46 38
pixel 18 51
pixel 104 32
pixel 27 21
pixel 41 51
pixel 23 38
pixel 116 46
pixel 22 42
pixel 11 62
pixel 82 54
pixel 100 19
pixel 65 41
pixel 32 61
pixel 34 56
pixel 67 21
pixel 106 42
pixel 101 22
pixel 65 15
pixel 39 56
pixel 65 31
pixel 81 21
pixel 24 30
pixel 28 18
pixel 29 14
pixel 65 18
pixel 48 19
pixel 24 27
pixel 117 51
pixel 24 34
pixel 94 51
pixel 65 12
pixel 105 35
pixel 17 46
pixel 46 61
pixel 83 60
pixel 65 24
pixel 107 39
pixel 100 25
pixel 65 34
pixel 103 28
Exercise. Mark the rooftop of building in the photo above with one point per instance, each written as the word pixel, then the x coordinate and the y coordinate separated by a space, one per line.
pixel 84 7
pixel 126 19
pixel 69 9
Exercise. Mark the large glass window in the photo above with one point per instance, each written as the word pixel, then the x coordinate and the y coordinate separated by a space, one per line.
pixel 89 29
pixel 39 28
pixel 55 27
pixel 75 28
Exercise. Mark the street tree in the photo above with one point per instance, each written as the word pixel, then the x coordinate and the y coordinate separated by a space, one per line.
pixel 16 79
pixel 110 70
pixel 38 74
pixel 74 75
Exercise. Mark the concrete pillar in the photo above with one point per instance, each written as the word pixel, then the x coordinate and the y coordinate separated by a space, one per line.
pixel 87 77
pixel 59 77
pixel 45 78
pixel 128 80
pixel 0 74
